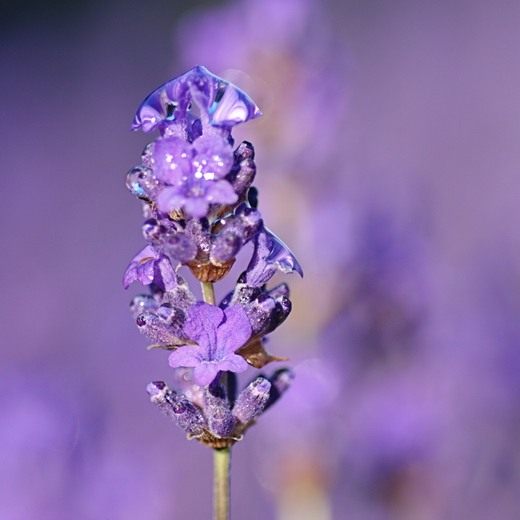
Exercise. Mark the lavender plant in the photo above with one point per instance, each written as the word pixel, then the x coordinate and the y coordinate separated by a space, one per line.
pixel 200 210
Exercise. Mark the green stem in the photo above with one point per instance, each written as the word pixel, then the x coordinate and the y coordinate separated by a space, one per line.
pixel 208 292
pixel 222 463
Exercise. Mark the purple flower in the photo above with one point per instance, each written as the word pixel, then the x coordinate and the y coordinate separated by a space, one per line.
pixel 270 255
pixel 150 267
pixel 172 159
pixel 221 103
pixel 201 210
pixel 218 335
pixel 194 174
pixel 195 195
pixel 161 317
pixel 175 160
pixel 164 325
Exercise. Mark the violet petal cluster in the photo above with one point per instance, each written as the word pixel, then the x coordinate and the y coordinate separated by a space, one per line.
pixel 200 211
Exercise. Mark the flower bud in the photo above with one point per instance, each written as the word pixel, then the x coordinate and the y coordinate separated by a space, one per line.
pixel 178 408
pixel 252 400
pixel 216 407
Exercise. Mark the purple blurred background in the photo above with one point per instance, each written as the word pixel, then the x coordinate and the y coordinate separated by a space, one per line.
pixel 388 159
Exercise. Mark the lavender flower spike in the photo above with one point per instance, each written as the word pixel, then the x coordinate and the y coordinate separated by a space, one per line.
pixel 218 334
pixel 201 209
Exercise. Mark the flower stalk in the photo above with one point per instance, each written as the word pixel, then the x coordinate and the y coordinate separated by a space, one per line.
pixel 221 481
pixel 208 292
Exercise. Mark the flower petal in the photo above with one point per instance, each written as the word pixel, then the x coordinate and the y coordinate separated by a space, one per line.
pixel 196 207
pixel 233 107
pixel 166 103
pixel 187 356
pixel 204 373
pixel 141 268
pixel 172 159
pixel 214 156
pixel 270 255
pixel 169 199
pixel 234 332
pixel 225 103
pixel 233 363
pixel 167 274
pixel 221 192
pixel 201 326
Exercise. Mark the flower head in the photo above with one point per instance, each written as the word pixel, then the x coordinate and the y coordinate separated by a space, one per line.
pixel 200 210
pixel 218 334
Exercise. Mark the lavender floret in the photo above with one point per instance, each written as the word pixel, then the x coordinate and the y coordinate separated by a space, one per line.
pixel 218 335
pixel 270 255
pixel 222 104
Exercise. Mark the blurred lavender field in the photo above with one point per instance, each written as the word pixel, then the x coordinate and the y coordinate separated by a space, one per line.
pixel 388 159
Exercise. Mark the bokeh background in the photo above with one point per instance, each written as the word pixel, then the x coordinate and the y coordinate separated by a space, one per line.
pixel 388 159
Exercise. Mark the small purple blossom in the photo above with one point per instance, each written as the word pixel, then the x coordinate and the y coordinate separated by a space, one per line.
pixel 195 195
pixel 221 103
pixel 193 174
pixel 172 159
pixel 148 267
pixel 218 334
pixel 270 255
